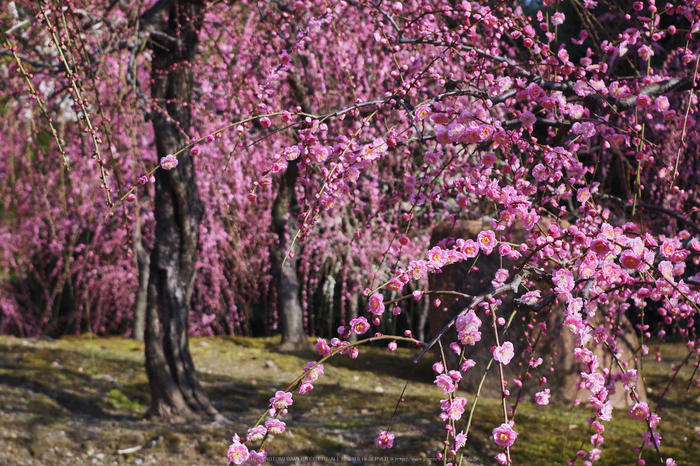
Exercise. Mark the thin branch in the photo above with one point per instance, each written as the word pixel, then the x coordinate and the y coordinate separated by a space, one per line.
pixel 656 208
pixel 512 286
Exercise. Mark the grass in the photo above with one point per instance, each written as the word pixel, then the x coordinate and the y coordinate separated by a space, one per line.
pixel 81 401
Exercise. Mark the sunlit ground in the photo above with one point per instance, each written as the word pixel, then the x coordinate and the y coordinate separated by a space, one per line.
pixel 81 401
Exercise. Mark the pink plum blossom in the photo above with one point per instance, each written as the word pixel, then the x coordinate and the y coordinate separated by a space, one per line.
pixel 504 353
pixel 504 435
pixel 323 348
pixel 359 325
pixel 453 409
pixel 305 387
pixel 237 452
pixel 385 440
pixel 467 364
pixel 275 426
pixel 376 304
pixel 280 402
pixel 542 398
pixel 313 372
pixel 256 433
pixel 256 458
pixel 640 411
pixel 168 162
pixel 445 383
pixel 487 241
pixel 528 119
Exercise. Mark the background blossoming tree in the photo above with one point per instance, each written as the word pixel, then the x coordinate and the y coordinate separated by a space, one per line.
pixel 280 160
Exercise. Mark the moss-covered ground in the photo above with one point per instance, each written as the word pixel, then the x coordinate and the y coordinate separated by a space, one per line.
pixel 81 400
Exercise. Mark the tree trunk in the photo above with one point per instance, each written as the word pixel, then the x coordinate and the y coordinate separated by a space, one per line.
pixel 284 222
pixel 143 259
pixel 177 395
pixel 352 313
pixel 284 273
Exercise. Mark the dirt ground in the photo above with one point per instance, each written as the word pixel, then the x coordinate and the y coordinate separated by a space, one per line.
pixel 82 400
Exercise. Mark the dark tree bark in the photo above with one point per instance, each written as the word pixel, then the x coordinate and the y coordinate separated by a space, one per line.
pixel 143 259
pixel 284 223
pixel 177 395
pixel 284 273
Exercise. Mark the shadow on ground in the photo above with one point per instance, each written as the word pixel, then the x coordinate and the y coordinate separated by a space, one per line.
pixel 80 400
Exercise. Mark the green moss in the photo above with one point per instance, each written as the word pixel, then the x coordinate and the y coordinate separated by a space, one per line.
pixel 211 448
pixel 117 399
pixel 99 393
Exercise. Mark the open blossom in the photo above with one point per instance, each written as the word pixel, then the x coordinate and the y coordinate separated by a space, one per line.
pixel 460 441
pixel 275 426
pixel 280 402
pixel 500 278
pixel 468 321
pixel 600 246
pixel 376 303
pixel 640 411
pixel 669 246
pixel 662 104
pixel 643 101
pixel 542 398
pixel 168 162
pixel 469 336
pixel 417 269
pixel 423 112
pixel 528 119
pixel 445 383
pixel 630 259
pixel 504 353
pixel 468 327
pixel 314 373
pixel 470 248
pixel 385 440
pixel 305 387
pixel 437 257
pixel 487 241
pixel 237 452
pixel 323 348
pixel 394 284
pixel 564 281
pixel 666 269
pixel 453 409
pixel 531 297
pixel 359 325
pixel 504 435
pixel 467 364
pixel 648 439
pixel 256 433
pixel 605 413
pixel 256 458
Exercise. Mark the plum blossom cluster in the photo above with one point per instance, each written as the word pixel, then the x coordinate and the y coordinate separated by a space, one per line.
pixel 414 112
pixel 522 147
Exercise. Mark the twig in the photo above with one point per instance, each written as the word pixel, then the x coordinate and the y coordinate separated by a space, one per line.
pixel 512 286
